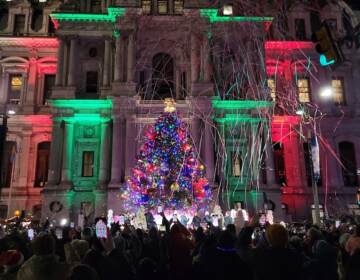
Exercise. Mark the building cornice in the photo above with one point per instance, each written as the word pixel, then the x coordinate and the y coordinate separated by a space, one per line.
pixel 29 42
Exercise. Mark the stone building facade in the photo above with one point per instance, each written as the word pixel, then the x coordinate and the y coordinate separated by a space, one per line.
pixel 82 80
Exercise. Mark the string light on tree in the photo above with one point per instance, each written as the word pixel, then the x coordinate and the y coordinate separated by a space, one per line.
pixel 167 171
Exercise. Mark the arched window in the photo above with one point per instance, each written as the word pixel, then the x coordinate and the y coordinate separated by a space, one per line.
pixel 42 164
pixel 162 77
pixel 349 166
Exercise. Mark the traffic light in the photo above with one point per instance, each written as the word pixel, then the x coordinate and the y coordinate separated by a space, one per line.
pixel 329 50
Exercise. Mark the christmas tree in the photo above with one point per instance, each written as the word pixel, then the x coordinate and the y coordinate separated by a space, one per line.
pixel 167 172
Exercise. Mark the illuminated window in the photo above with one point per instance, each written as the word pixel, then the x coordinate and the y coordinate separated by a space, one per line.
pixel 15 86
pixel 178 6
pixel 236 164
pixel 146 7
pixel 228 10
pixel 162 7
pixel 303 86
pixel 88 164
pixel 271 83
pixel 338 88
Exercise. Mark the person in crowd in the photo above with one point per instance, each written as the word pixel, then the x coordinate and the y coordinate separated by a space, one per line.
pixel 83 272
pixel 97 259
pixel 196 221
pixel 277 261
pixel 44 263
pixel 180 247
pixel 353 243
pixel 11 260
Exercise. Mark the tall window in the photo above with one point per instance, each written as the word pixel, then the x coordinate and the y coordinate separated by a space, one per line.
pixel 338 88
pixel 14 89
pixel 303 86
pixel 236 161
pixel 146 7
pixel 42 164
pixel 279 163
pixel 92 82
pixel 19 25
pixel 37 20
pixel 162 7
pixel 348 160
pixel 300 30
pixel 51 26
pixel 178 7
pixel 271 83
pixel 4 14
pixel 3 211
pixel 88 164
pixel 8 163
pixel 49 82
pixel 162 77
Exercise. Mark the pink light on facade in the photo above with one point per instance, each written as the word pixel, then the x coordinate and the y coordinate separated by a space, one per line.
pixel 29 42
pixel 288 45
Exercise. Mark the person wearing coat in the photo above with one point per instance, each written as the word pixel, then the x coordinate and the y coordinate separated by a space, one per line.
pixel 44 264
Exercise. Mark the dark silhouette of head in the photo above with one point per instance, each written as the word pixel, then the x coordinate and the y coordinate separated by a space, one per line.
pixel 43 244
pixel 83 272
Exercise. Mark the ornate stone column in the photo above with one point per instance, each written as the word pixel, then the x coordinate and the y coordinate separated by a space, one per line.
pixel 209 150
pixel 67 156
pixel 66 62
pixel 130 144
pixel 117 160
pixel 31 85
pixel 194 58
pixel 118 65
pixel 55 153
pixel 130 59
pixel 206 62
pixel 24 158
pixel 269 157
pixel 106 66
pixel 60 64
pixel 104 154
pixel 72 61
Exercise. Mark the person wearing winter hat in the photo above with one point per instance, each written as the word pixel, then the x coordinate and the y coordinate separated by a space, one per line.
pixel 11 261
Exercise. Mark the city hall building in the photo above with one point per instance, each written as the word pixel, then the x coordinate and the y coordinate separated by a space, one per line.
pixel 82 80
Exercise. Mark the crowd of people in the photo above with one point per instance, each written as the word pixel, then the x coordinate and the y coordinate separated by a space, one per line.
pixel 270 251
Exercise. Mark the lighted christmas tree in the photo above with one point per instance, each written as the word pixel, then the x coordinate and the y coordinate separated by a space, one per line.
pixel 167 172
